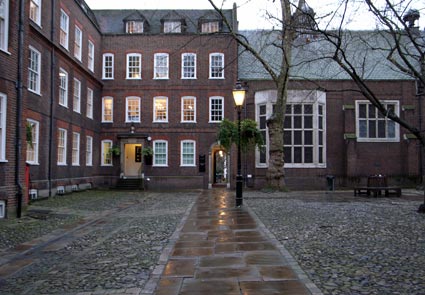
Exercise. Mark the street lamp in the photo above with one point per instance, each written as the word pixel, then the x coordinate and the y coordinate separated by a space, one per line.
pixel 239 98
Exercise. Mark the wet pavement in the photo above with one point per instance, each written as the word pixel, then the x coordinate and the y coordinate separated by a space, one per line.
pixel 225 250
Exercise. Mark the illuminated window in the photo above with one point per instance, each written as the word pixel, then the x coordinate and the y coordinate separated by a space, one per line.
pixel 106 159
pixel 78 41
pixel 107 109
pixel 61 146
pixel 133 109
pixel 188 109
pixel 32 146
pixel 160 105
pixel 63 88
pixel 134 66
pixel 64 29
pixel 35 11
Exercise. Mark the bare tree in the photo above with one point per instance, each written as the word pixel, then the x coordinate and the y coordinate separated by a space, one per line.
pixel 401 43
pixel 291 18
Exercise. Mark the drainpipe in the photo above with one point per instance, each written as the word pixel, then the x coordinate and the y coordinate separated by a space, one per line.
pixel 19 86
pixel 52 96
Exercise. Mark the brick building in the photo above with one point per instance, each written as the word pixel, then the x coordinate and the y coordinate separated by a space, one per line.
pixel 330 127
pixel 85 94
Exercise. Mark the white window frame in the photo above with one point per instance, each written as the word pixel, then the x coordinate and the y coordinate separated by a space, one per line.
pixel 156 118
pixel 103 109
pixel 182 144
pixel 106 75
pixel 3 127
pixel 171 27
pixel 184 98
pixel 134 69
pixel 4 25
pixel 61 146
pixel 212 109
pixel 64 30
pixel 90 56
pixel 132 115
pixel 106 155
pixel 161 66
pixel 378 117
pixel 78 43
pixel 2 209
pixel 188 68
pixel 34 73
pixel 213 66
pixel 35 11
pixel 63 87
pixel 210 27
pixel 134 27
pixel 89 103
pixel 157 153
pixel 89 150
pixel 76 102
pixel 35 129
pixel 316 98
pixel 75 149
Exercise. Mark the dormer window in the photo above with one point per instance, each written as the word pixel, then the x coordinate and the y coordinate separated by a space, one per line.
pixel 134 27
pixel 210 27
pixel 172 27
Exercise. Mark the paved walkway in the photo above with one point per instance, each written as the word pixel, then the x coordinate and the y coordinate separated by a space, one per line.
pixel 224 250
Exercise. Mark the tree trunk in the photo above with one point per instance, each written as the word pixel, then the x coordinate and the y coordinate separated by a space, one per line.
pixel 275 172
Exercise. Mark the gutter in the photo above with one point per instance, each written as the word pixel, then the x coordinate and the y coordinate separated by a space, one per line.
pixel 52 95
pixel 19 87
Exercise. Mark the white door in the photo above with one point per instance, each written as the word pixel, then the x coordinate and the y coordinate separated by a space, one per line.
pixel 133 160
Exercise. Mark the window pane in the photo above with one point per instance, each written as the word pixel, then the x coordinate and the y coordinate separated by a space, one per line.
pixel 288 155
pixel 363 128
pixel 298 137
pixel 308 109
pixel 287 137
pixel 362 111
pixel 298 155
pixel 381 129
pixel 391 129
pixel 308 122
pixel 308 137
pixel 297 122
pixel 308 155
pixel 372 129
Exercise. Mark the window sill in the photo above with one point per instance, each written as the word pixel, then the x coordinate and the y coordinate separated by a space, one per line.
pixel 33 163
pixel 62 164
pixel 4 161
pixel 5 51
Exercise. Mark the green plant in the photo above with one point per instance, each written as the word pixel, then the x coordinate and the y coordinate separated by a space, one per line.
pixel 147 151
pixel 250 134
pixel 115 150
pixel 28 130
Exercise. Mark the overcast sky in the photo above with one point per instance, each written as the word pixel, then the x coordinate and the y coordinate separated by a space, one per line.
pixel 250 12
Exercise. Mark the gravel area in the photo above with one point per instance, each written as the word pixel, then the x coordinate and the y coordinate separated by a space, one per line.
pixel 117 251
pixel 349 245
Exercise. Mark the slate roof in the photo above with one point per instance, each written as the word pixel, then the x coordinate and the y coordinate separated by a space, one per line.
pixel 313 60
pixel 112 21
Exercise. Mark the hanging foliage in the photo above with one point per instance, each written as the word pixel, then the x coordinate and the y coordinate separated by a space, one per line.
pixel 28 131
pixel 250 135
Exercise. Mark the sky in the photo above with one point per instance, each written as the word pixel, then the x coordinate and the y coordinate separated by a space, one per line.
pixel 250 12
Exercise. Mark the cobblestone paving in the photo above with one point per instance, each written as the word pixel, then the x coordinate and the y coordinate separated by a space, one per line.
pixel 117 251
pixel 350 245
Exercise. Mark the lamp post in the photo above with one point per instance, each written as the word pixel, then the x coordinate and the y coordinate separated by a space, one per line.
pixel 239 98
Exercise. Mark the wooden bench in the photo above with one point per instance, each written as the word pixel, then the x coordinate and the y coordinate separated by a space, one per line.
pixel 376 184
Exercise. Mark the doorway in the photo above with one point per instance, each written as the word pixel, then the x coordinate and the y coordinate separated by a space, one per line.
pixel 220 168
pixel 133 160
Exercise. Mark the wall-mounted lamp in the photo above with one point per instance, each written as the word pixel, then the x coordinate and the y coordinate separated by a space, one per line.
pixel 132 128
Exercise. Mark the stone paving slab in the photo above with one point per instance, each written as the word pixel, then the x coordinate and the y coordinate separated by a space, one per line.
pixel 223 250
